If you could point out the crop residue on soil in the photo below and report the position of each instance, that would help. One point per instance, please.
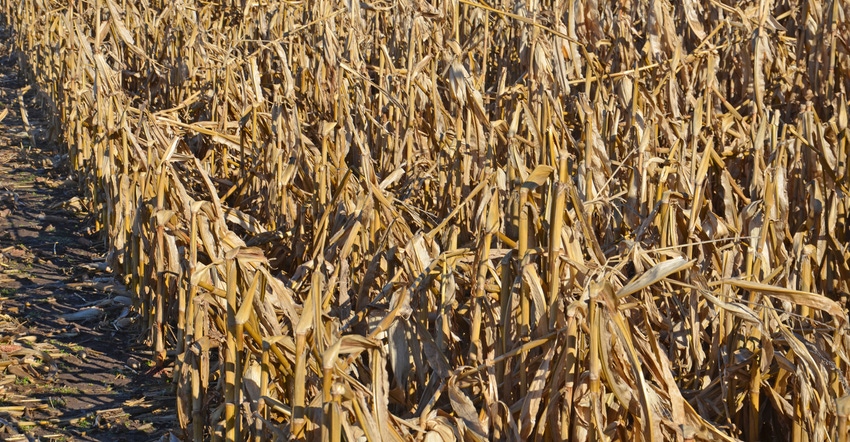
(66, 369)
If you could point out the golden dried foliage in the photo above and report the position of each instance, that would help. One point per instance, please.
(459, 219)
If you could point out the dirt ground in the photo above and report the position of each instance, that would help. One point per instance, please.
(73, 366)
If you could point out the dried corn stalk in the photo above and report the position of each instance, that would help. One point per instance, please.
(456, 219)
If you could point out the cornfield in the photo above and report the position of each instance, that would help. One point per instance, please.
(467, 220)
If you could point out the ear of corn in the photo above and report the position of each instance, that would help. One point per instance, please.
(457, 219)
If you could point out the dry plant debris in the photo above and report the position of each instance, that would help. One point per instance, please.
(443, 220)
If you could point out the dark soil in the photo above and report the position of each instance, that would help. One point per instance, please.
(61, 377)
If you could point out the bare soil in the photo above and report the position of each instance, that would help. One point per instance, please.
(72, 362)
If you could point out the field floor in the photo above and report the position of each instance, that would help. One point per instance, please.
(71, 363)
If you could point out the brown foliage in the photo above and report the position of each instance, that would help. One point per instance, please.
(457, 219)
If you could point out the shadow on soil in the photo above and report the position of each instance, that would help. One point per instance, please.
(68, 369)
